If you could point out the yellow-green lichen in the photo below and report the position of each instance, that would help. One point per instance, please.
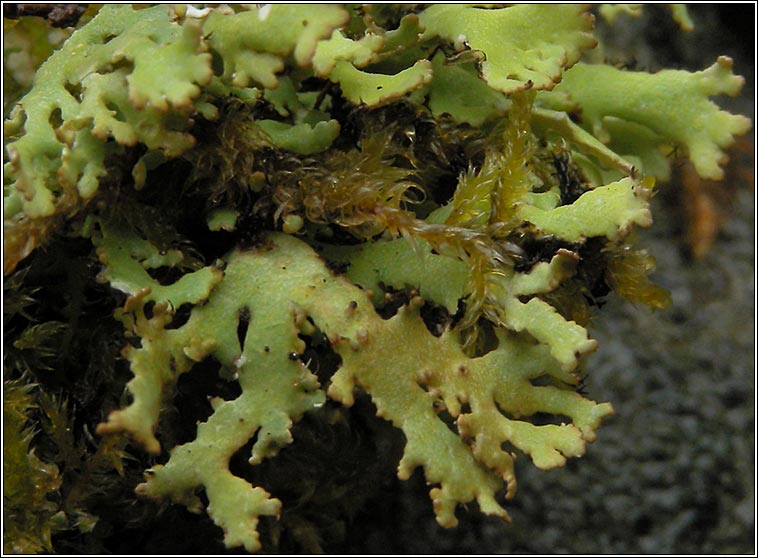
(415, 205)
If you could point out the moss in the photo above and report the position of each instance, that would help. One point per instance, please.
(30, 514)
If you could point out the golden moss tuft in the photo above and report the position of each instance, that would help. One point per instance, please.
(225, 161)
(350, 189)
(627, 273)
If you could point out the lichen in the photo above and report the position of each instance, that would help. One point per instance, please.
(415, 206)
(277, 388)
(673, 104)
(524, 57)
